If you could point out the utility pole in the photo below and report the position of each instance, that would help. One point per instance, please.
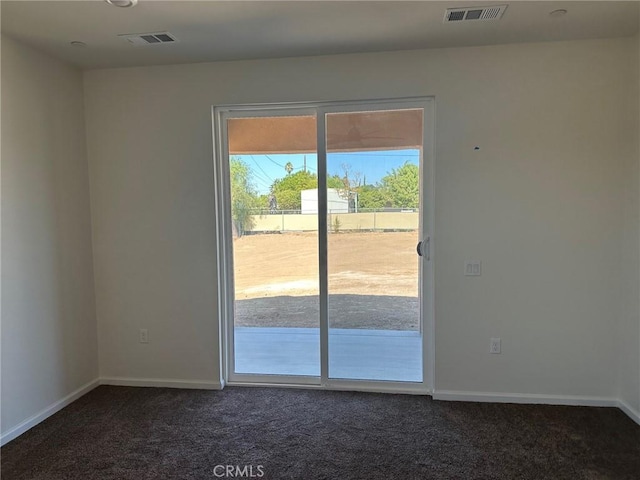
(305, 164)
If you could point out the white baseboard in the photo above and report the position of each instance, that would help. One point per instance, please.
(532, 398)
(47, 412)
(161, 382)
(448, 395)
(633, 414)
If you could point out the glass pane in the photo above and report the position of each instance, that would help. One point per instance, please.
(273, 170)
(373, 191)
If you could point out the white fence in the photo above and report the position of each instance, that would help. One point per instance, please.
(336, 222)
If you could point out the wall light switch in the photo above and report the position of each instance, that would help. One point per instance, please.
(495, 346)
(472, 269)
(144, 335)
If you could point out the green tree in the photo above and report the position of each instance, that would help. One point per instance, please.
(289, 168)
(370, 196)
(402, 186)
(297, 181)
(287, 190)
(399, 188)
(262, 201)
(243, 195)
(334, 181)
(288, 200)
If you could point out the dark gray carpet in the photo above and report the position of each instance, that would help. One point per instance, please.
(145, 433)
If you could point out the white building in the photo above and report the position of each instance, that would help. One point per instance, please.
(335, 203)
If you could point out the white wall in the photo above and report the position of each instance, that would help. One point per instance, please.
(49, 337)
(546, 203)
(629, 332)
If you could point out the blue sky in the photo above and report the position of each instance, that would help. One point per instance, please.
(372, 166)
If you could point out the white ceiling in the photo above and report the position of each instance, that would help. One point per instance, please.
(232, 30)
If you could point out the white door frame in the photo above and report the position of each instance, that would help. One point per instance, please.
(224, 252)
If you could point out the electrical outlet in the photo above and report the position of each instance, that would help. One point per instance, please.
(472, 268)
(494, 346)
(144, 335)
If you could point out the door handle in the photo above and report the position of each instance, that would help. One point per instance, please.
(421, 244)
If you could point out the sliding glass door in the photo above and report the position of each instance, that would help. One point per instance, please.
(271, 163)
(324, 227)
(373, 213)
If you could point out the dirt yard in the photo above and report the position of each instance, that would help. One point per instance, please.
(373, 280)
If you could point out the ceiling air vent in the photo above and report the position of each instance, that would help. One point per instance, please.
(149, 38)
(494, 12)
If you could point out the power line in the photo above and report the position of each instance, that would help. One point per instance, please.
(260, 177)
(262, 185)
(262, 182)
(258, 165)
(273, 161)
(301, 168)
(376, 154)
(266, 183)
